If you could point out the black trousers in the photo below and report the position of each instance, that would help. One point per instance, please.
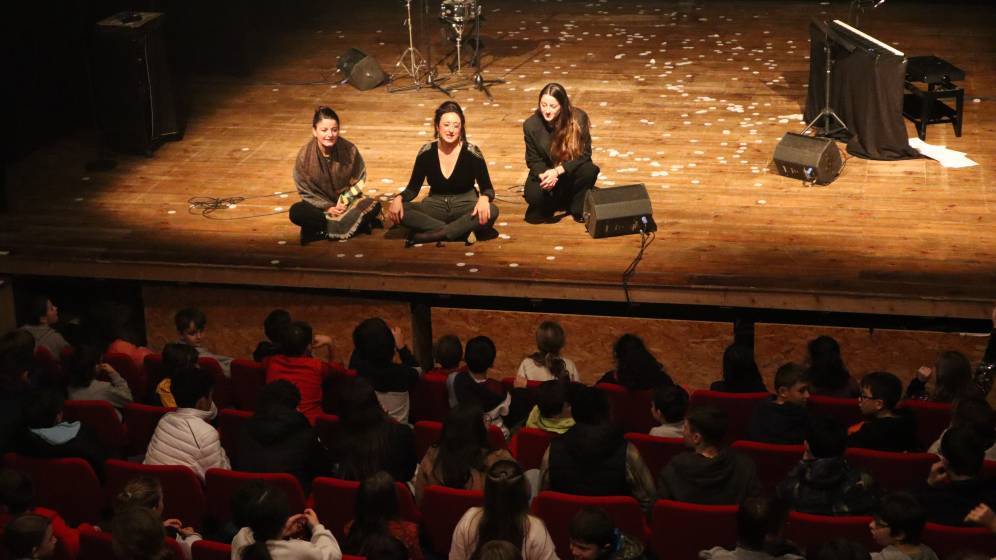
(309, 217)
(448, 212)
(568, 194)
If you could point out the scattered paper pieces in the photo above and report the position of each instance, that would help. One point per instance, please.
(943, 155)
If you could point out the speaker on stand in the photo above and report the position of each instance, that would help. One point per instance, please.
(811, 159)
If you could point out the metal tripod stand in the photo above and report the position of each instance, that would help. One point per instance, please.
(411, 64)
(830, 128)
(477, 80)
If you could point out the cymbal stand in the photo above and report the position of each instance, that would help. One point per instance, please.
(411, 64)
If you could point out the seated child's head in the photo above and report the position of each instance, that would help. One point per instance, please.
(297, 339)
(275, 323)
(141, 491)
(480, 354)
(16, 492)
(551, 398)
(278, 394)
(963, 451)
(670, 404)
(138, 534)
(178, 356)
(899, 520)
(29, 536)
(448, 351)
(880, 393)
(825, 438)
(757, 519)
(191, 388)
(791, 384)
(593, 534)
(374, 341)
(590, 406)
(705, 426)
(190, 325)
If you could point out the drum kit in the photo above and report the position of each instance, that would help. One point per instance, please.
(461, 21)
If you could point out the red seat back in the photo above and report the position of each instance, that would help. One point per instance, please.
(947, 542)
(806, 529)
(431, 399)
(678, 529)
(989, 469)
(335, 503)
(96, 545)
(68, 485)
(327, 428)
(442, 509)
(773, 461)
(138, 382)
(739, 408)
(656, 451)
(557, 509)
(101, 418)
(844, 411)
(529, 445)
(893, 470)
(248, 380)
(223, 395)
(334, 386)
(629, 409)
(183, 494)
(428, 432)
(230, 422)
(223, 485)
(48, 364)
(932, 418)
(141, 421)
(210, 550)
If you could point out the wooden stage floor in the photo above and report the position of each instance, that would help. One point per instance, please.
(689, 98)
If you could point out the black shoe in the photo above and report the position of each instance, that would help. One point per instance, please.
(310, 236)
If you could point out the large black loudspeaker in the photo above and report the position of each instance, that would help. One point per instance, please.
(618, 211)
(361, 70)
(133, 86)
(808, 158)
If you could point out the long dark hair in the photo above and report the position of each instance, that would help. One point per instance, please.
(565, 144)
(462, 446)
(364, 431)
(450, 107)
(636, 367)
(376, 504)
(505, 515)
(550, 340)
(740, 371)
(826, 367)
(265, 511)
(954, 377)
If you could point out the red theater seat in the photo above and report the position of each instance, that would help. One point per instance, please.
(183, 494)
(223, 394)
(528, 446)
(428, 432)
(680, 530)
(442, 509)
(210, 550)
(557, 510)
(932, 418)
(230, 422)
(773, 461)
(96, 545)
(948, 541)
(807, 530)
(222, 485)
(656, 451)
(629, 409)
(138, 381)
(101, 418)
(739, 408)
(141, 421)
(893, 470)
(248, 380)
(67, 485)
(844, 411)
(431, 400)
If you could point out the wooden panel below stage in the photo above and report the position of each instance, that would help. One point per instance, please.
(687, 98)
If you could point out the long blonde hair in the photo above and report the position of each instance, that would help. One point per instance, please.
(565, 144)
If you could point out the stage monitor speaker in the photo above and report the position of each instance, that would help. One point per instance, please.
(618, 211)
(808, 158)
(132, 83)
(361, 70)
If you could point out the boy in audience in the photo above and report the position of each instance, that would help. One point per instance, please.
(49, 435)
(956, 483)
(474, 385)
(884, 427)
(375, 346)
(896, 527)
(595, 537)
(190, 326)
(175, 357)
(447, 353)
(295, 364)
(783, 418)
(42, 314)
(273, 327)
(552, 412)
(759, 524)
(29, 535)
(668, 409)
(184, 436)
(710, 473)
(823, 483)
(593, 458)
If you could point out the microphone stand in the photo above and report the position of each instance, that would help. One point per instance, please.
(827, 114)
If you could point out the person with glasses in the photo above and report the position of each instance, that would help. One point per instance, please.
(897, 527)
(884, 427)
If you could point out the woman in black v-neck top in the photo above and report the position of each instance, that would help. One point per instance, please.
(454, 209)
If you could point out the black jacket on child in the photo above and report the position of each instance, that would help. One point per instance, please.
(829, 486)
(589, 460)
(281, 440)
(948, 505)
(726, 478)
(778, 423)
(896, 433)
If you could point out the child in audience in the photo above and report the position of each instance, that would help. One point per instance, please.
(190, 326)
(184, 437)
(896, 527)
(474, 386)
(552, 411)
(636, 368)
(42, 315)
(146, 492)
(376, 345)
(547, 363)
(884, 427)
(828, 376)
(29, 535)
(377, 514)
(759, 523)
(710, 473)
(668, 409)
(273, 533)
(740, 372)
(17, 497)
(176, 357)
(137, 534)
(952, 375)
(84, 366)
(595, 537)
(369, 441)
(783, 418)
(50, 436)
(447, 353)
(295, 364)
(976, 413)
(273, 328)
(956, 483)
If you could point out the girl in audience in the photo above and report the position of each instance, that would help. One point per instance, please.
(84, 366)
(29, 535)
(952, 375)
(828, 376)
(547, 363)
(976, 413)
(369, 441)
(505, 516)
(17, 497)
(897, 527)
(378, 515)
(146, 492)
(636, 368)
(137, 534)
(376, 344)
(462, 457)
(176, 357)
(274, 534)
(740, 372)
